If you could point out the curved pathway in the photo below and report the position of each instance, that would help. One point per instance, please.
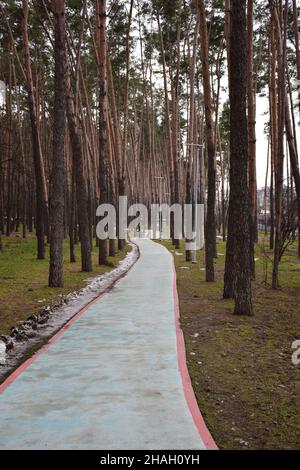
(112, 380)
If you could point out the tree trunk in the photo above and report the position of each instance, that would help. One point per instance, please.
(210, 231)
(81, 187)
(175, 133)
(251, 137)
(239, 227)
(266, 190)
(192, 150)
(8, 107)
(281, 45)
(273, 129)
(297, 46)
(101, 24)
(122, 181)
(72, 219)
(227, 34)
(117, 140)
(293, 153)
(41, 189)
(57, 199)
(170, 150)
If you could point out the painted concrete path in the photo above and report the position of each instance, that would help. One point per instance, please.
(112, 380)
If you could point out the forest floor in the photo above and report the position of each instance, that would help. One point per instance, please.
(241, 367)
(24, 279)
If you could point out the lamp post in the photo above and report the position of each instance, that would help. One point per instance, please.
(199, 147)
(2, 93)
(160, 179)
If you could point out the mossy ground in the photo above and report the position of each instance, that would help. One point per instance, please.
(24, 279)
(241, 369)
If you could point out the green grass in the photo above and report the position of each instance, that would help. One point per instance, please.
(245, 383)
(24, 279)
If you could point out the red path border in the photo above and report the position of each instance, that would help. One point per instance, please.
(181, 353)
(186, 380)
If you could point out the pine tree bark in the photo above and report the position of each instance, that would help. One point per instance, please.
(281, 35)
(175, 120)
(169, 149)
(101, 14)
(192, 151)
(297, 41)
(41, 188)
(210, 232)
(24, 193)
(273, 128)
(8, 108)
(239, 227)
(122, 180)
(251, 136)
(297, 46)
(227, 34)
(293, 153)
(57, 198)
(81, 187)
(72, 219)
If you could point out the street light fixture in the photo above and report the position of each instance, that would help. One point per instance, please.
(160, 178)
(199, 147)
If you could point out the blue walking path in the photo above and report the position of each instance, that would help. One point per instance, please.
(112, 379)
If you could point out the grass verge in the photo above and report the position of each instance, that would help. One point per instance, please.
(24, 279)
(241, 369)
